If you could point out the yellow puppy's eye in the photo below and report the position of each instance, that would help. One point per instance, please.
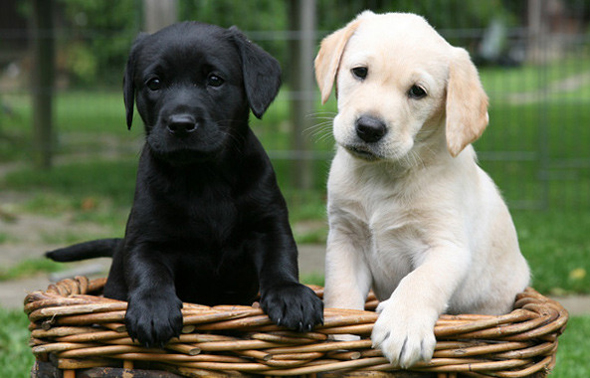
(417, 92)
(360, 72)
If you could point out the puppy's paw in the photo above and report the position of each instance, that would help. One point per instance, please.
(294, 306)
(404, 337)
(153, 321)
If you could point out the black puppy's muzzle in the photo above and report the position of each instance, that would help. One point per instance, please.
(181, 125)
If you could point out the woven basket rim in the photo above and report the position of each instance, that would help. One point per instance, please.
(74, 327)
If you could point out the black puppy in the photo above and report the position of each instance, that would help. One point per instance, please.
(208, 223)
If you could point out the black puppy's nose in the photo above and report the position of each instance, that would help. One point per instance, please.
(370, 129)
(181, 124)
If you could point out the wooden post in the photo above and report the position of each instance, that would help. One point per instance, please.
(158, 14)
(302, 19)
(42, 82)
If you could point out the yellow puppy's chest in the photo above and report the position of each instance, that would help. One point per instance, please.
(396, 246)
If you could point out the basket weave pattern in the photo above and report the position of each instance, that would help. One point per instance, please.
(74, 327)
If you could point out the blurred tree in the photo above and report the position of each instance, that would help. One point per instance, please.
(442, 14)
(98, 39)
(462, 23)
(102, 30)
(255, 17)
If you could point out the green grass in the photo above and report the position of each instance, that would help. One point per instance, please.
(74, 111)
(557, 247)
(574, 344)
(30, 267)
(313, 279)
(16, 358)
(554, 242)
(530, 78)
(113, 180)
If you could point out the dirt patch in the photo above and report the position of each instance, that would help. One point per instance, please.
(25, 236)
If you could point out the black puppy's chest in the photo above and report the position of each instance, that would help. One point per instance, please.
(213, 248)
(208, 215)
(198, 226)
(203, 221)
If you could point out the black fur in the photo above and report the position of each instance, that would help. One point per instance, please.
(208, 223)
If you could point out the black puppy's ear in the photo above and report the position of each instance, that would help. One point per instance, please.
(262, 73)
(128, 78)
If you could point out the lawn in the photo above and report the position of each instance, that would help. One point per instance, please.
(555, 242)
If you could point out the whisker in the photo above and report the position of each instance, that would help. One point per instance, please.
(325, 113)
(320, 132)
(323, 138)
(417, 159)
(322, 126)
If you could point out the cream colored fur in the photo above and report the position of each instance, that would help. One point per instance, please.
(413, 217)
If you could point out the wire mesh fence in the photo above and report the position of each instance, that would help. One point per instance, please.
(533, 57)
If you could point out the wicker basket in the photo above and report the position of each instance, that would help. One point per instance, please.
(73, 327)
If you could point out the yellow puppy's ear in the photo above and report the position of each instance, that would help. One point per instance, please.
(328, 59)
(467, 103)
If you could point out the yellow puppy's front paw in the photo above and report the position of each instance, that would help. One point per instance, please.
(404, 338)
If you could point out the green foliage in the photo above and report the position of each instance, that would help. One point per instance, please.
(269, 15)
(440, 13)
(99, 34)
(82, 63)
(96, 34)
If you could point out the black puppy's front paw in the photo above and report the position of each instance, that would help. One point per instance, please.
(294, 306)
(154, 320)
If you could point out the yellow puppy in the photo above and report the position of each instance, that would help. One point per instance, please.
(411, 214)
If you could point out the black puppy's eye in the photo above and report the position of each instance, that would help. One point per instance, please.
(214, 80)
(360, 72)
(416, 92)
(154, 84)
